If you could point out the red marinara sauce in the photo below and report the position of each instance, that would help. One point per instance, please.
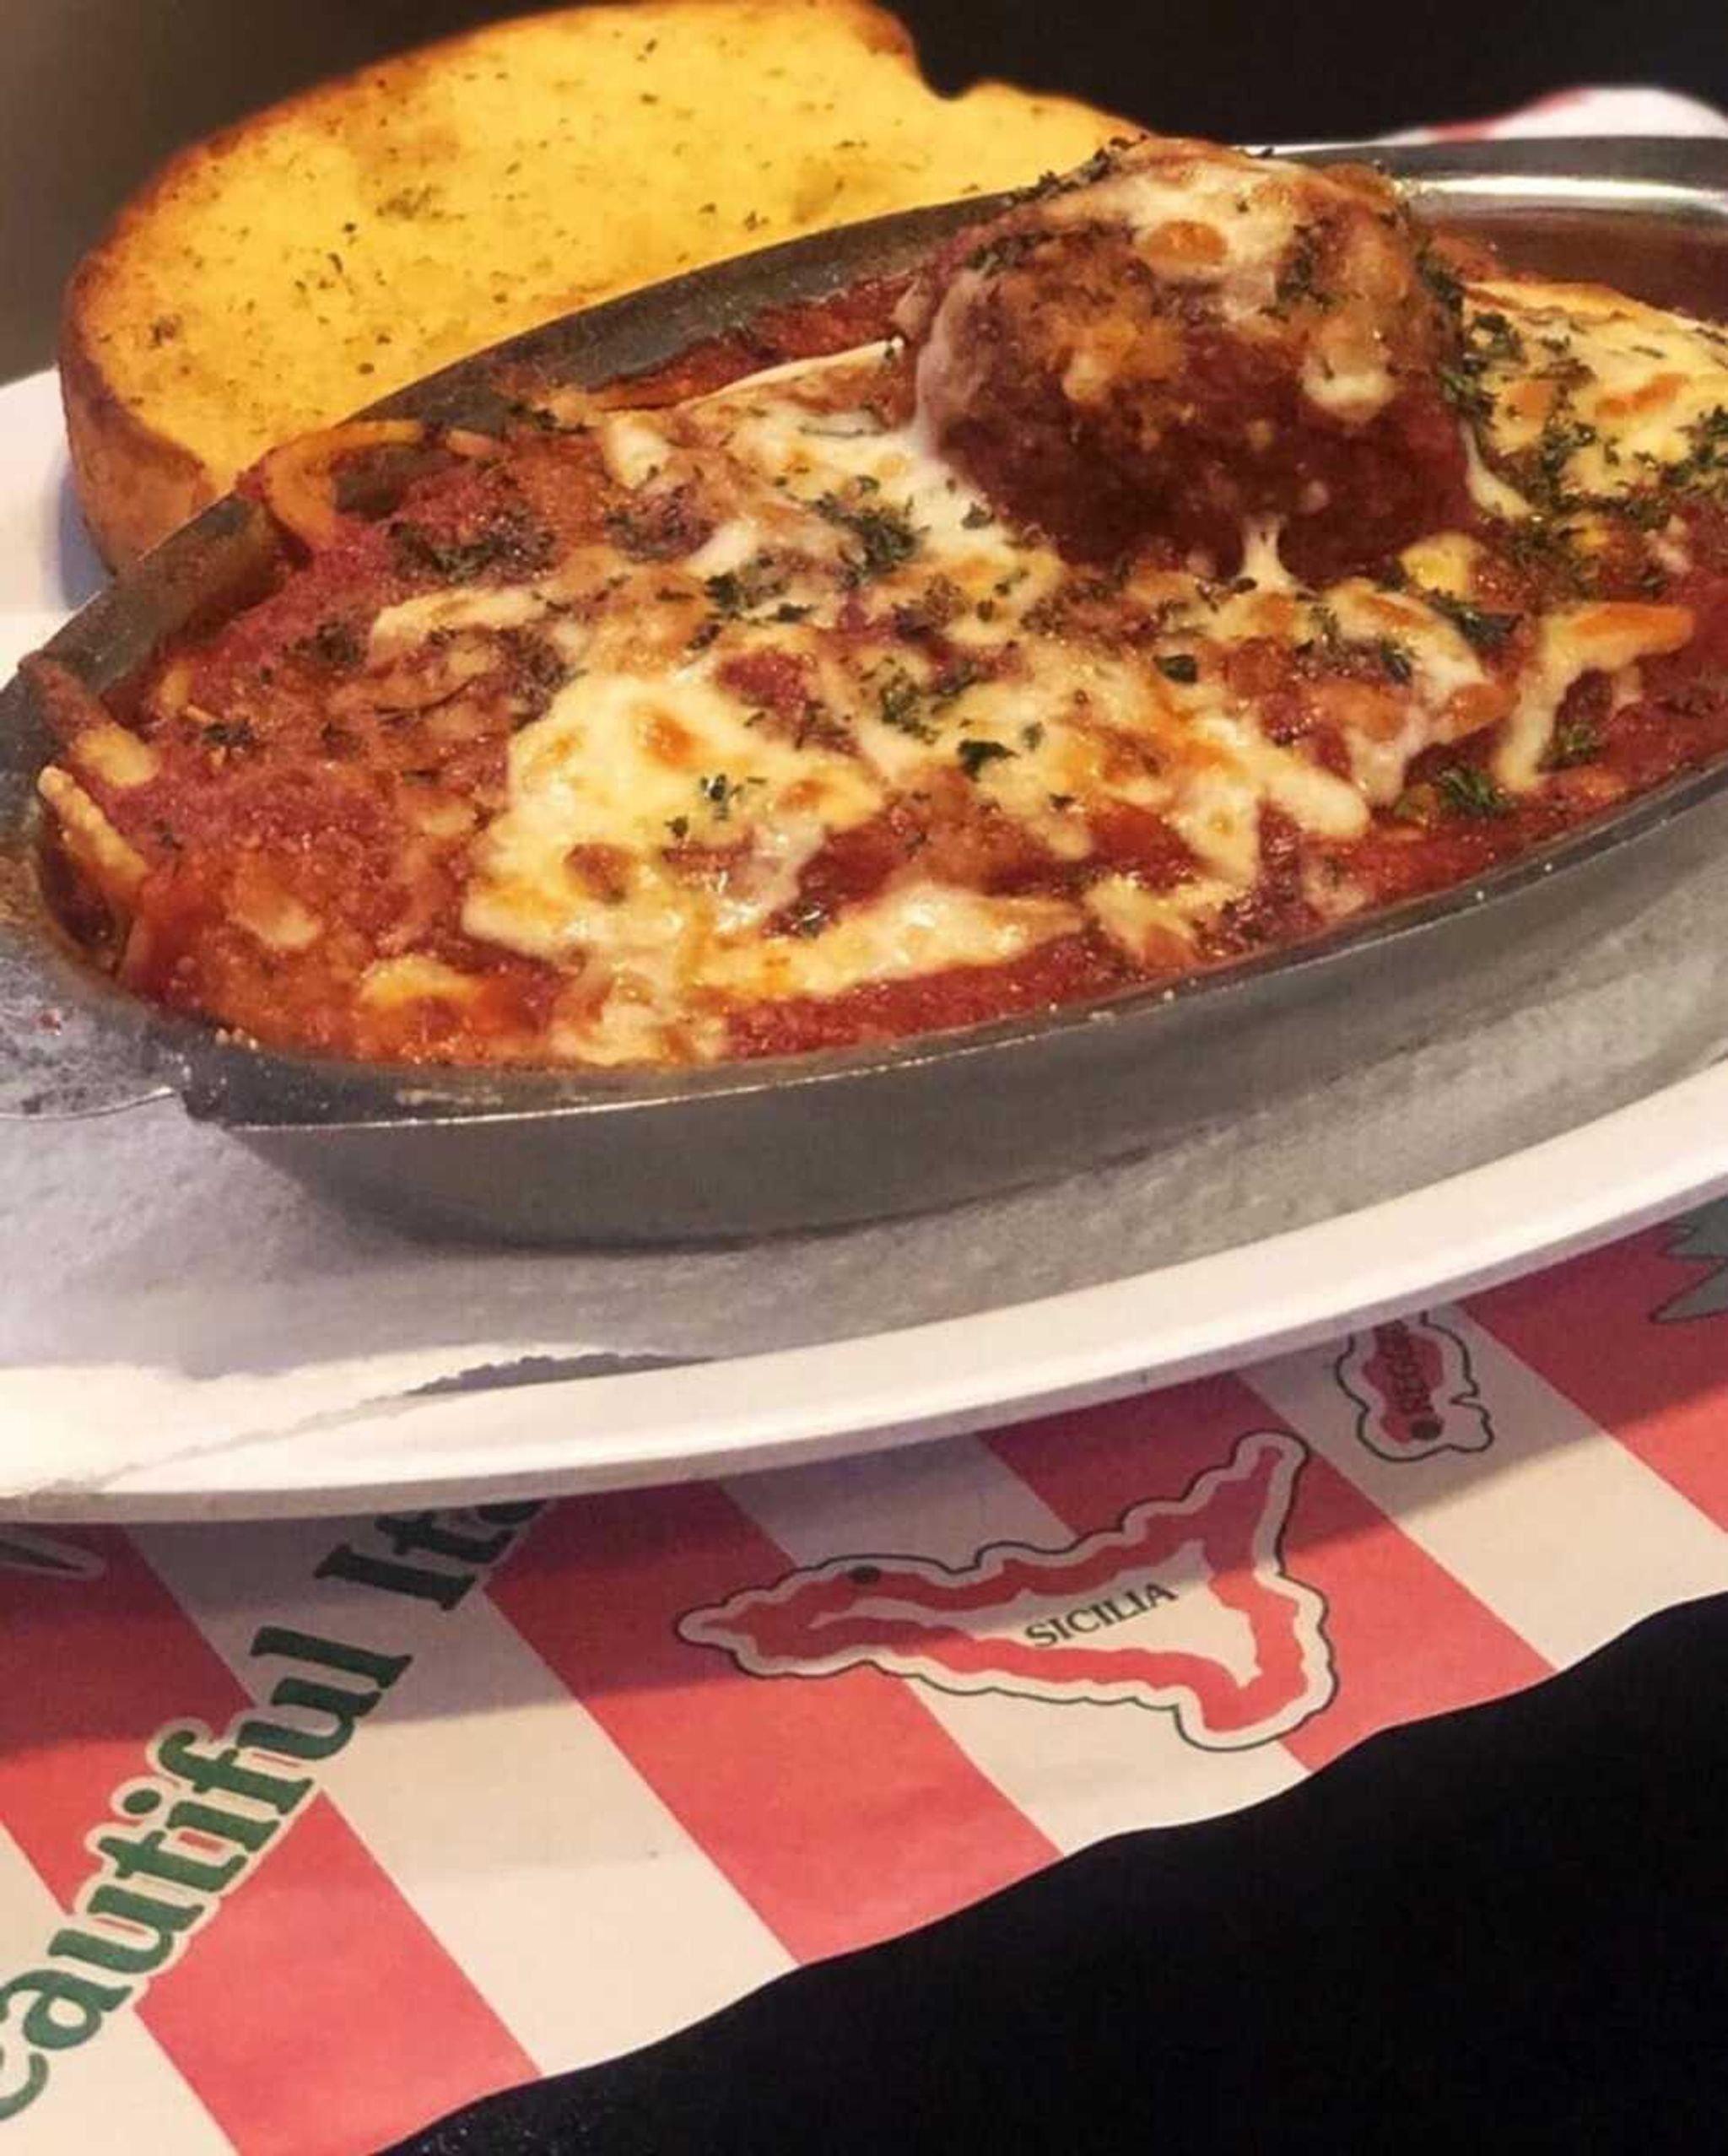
(313, 805)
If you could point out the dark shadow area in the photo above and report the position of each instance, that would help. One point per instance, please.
(81, 575)
(1508, 1924)
(95, 93)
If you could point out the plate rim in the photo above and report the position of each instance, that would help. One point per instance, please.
(913, 1383)
(551, 1440)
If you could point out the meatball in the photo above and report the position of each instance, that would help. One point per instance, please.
(1178, 338)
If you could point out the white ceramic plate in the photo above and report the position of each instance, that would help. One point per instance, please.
(887, 1387)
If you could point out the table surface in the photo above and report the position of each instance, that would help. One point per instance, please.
(1508, 1923)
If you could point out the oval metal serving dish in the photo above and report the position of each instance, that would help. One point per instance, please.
(753, 1147)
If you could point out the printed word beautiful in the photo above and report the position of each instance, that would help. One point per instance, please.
(189, 1831)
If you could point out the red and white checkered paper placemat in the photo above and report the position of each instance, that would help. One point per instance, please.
(312, 1832)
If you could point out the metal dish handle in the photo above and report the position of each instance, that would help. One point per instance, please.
(71, 1043)
(60, 1061)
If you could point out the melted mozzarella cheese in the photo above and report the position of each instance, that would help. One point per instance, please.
(1261, 564)
(1443, 561)
(1491, 494)
(1154, 926)
(915, 928)
(1571, 643)
(1612, 392)
(392, 984)
(736, 542)
(112, 863)
(1442, 700)
(1350, 379)
(632, 447)
(633, 766)
(1234, 226)
(811, 456)
(657, 816)
(275, 916)
(1207, 220)
(1230, 772)
(413, 623)
(116, 756)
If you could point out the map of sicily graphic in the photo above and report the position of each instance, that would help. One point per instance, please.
(1183, 1606)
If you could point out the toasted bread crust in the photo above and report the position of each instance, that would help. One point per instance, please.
(135, 484)
(159, 425)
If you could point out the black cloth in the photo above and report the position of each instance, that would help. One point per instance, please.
(1506, 1929)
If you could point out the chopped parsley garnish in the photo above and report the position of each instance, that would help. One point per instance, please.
(1298, 275)
(228, 733)
(1395, 660)
(1545, 548)
(955, 678)
(1178, 666)
(816, 722)
(1440, 280)
(1576, 741)
(972, 756)
(1032, 733)
(1562, 435)
(513, 541)
(679, 826)
(1468, 790)
(976, 518)
(1565, 370)
(934, 608)
(333, 643)
(899, 705)
(1706, 465)
(1464, 391)
(1488, 338)
(409, 202)
(719, 792)
(657, 527)
(887, 539)
(734, 591)
(1648, 508)
(1480, 626)
(1328, 635)
(1493, 337)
